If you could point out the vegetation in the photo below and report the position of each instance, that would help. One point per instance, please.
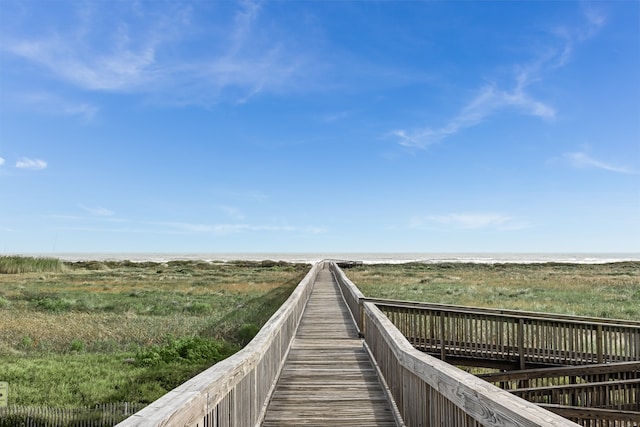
(18, 264)
(600, 290)
(92, 332)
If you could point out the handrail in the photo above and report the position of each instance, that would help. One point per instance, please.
(429, 391)
(351, 294)
(235, 391)
(522, 339)
(623, 395)
(611, 371)
(505, 312)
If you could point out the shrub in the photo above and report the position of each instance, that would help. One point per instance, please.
(247, 332)
(196, 308)
(188, 349)
(26, 343)
(54, 305)
(77, 345)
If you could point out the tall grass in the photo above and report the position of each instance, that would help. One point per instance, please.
(21, 264)
(113, 331)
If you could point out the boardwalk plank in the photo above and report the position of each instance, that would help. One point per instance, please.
(328, 378)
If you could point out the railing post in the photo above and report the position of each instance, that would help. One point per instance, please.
(599, 344)
(521, 343)
(443, 350)
(361, 324)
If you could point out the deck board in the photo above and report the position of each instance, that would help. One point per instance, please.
(327, 378)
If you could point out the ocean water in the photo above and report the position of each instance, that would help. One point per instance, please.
(367, 258)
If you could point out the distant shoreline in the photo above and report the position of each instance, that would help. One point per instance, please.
(366, 258)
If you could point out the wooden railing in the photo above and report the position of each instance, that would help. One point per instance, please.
(520, 338)
(615, 395)
(545, 377)
(515, 338)
(605, 395)
(235, 391)
(351, 294)
(428, 391)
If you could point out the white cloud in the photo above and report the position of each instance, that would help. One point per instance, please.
(222, 229)
(69, 59)
(1, 161)
(583, 160)
(53, 104)
(489, 101)
(139, 52)
(467, 221)
(97, 210)
(495, 98)
(33, 164)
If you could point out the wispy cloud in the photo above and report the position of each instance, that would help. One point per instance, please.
(584, 161)
(137, 51)
(1, 161)
(467, 221)
(96, 49)
(121, 70)
(232, 212)
(337, 116)
(97, 210)
(221, 229)
(32, 164)
(514, 95)
(240, 195)
(489, 101)
(53, 104)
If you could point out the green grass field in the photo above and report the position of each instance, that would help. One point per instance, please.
(98, 332)
(75, 334)
(600, 290)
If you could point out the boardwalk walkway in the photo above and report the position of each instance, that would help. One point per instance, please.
(328, 378)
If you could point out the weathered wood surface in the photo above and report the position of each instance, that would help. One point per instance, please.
(429, 391)
(328, 379)
(542, 377)
(595, 417)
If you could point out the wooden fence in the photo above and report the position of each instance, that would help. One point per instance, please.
(235, 391)
(105, 415)
(428, 391)
(545, 377)
(595, 395)
(518, 339)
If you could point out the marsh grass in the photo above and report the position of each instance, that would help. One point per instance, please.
(78, 330)
(599, 290)
(20, 264)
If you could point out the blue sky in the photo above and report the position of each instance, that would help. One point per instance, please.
(319, 126)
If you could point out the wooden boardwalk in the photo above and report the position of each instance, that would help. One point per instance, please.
(328, 378)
